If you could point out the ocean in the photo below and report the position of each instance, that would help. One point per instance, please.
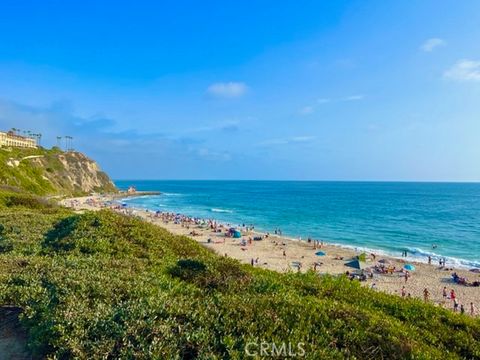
(385, 217)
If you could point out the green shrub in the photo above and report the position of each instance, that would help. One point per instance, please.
(103, 285)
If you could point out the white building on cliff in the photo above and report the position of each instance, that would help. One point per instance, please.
(9, 139)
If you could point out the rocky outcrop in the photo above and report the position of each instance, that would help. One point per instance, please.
(74, 173)
(53, 172)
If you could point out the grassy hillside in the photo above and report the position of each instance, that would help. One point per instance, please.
(51, 172)
(101, 285)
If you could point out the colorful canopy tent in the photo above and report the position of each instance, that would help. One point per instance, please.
(409, 267)
(237, 234)
(356, 264)
(320, 253)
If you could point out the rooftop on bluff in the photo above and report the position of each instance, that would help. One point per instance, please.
(10, 139)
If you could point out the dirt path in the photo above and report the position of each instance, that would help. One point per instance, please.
(13, 342)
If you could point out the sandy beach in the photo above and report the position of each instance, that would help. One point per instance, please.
(283, 254)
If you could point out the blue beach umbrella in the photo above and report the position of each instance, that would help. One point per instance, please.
(357, 264)
(320, 253)
(409, 267)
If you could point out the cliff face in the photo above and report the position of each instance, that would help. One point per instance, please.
(76, 174)
(52, 172)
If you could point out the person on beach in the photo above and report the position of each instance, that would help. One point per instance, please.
(403, 292)
(444, 293)
(462, 309)
(472, 309)
(429, 260)
(452, 295)
(425, 294)
(406, 276)
(455, 305)
(284, 253)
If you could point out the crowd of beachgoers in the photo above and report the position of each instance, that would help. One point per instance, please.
(443, 285)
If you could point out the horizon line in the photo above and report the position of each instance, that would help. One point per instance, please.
(295, 180)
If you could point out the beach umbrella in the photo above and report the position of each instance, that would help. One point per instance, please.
(320, 253)
(409, 267)
(362, 257)
(356, 264)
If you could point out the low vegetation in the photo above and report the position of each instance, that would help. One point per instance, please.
(102, 285)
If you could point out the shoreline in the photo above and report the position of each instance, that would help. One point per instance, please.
(414, 255)
(280, 253)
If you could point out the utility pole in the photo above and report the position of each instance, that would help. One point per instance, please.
(68, 143)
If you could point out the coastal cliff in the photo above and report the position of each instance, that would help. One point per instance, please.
(52, 172)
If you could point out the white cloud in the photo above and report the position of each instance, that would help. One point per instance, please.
(464, 70)
(302, 138)
(286, 141)
(323, 100)
(307, 110)
(431, 44)
(354, 97)
(208, 154)
(228, 89)
(227, 125)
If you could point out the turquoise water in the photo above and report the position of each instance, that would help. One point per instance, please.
(385, 216)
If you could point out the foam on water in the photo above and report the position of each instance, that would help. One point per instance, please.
(221, 210)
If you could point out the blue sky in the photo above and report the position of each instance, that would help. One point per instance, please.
(322, 90)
